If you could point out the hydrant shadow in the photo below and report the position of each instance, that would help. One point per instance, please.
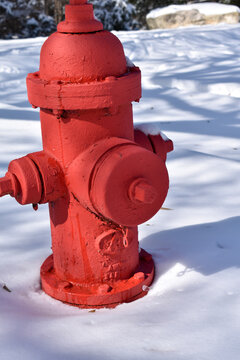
(206, 248)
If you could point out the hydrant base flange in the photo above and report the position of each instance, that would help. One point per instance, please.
(99, 295)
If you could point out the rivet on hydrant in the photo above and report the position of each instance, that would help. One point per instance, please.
(100, 177)
(104, 288)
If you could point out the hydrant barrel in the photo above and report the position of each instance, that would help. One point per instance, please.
(100, 177)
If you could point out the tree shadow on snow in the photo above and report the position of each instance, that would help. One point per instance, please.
(215, 122)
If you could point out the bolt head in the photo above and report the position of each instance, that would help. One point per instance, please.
(104, 288)
(142, 191)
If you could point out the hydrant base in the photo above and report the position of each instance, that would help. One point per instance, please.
(99, 295)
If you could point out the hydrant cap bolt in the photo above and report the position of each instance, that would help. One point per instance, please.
(142, 191)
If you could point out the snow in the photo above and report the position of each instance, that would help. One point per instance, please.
(207, 9)
(152, 129)
(191, 90)
(130, 64)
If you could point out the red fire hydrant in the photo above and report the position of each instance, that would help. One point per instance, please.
(100, 178)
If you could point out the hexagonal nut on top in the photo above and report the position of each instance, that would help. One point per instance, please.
(141, 191)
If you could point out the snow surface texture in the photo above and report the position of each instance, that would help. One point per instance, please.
(191, 91)
(207, 9)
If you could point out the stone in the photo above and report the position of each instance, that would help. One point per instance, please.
(188, 17)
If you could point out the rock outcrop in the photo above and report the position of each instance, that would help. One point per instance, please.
(171, 17)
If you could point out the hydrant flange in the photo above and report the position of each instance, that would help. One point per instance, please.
(99, 295)
(93, 95)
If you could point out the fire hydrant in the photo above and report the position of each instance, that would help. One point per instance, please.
(100, 177)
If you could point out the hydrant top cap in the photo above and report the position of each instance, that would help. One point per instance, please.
(79, 18)
(82, 57)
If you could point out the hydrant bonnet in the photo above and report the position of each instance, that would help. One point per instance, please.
(81, 58)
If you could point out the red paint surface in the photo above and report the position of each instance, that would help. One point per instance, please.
(100, 178)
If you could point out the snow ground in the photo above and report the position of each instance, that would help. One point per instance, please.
(191, 91)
